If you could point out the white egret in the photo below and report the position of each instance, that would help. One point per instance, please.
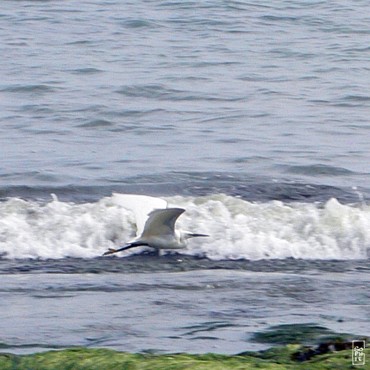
(159, 232)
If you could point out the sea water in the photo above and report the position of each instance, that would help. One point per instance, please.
(253, 116)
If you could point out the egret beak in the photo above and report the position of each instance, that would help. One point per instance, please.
(191, 235)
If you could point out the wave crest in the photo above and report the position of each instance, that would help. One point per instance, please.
(238, 229)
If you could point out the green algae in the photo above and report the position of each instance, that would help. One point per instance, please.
(278, 358)
(292, 354)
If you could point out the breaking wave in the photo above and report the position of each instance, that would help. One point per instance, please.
(238, 229)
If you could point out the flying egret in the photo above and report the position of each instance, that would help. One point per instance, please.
(159, 232)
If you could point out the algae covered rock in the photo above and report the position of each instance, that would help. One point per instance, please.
(279, 358)
(290, 354)
(296, 333)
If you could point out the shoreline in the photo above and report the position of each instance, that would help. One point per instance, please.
(275, 358)
(305, 346)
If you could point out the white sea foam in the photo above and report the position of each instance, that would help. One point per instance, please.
(237, 228)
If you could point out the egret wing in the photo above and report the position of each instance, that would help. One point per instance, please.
(140, 205)
(162, 222)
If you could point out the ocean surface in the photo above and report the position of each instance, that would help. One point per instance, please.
(251, 115)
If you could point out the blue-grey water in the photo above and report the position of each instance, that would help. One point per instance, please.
(252, 115)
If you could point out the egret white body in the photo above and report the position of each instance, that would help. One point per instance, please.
(159, 232)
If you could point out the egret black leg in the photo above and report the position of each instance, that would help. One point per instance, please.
(125, 247)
